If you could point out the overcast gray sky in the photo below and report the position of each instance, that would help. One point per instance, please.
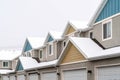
(22, 18)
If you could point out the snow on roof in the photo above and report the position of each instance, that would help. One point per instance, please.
(87, 46)
(30, 63)
(55, 34)
(9, 54)
(36, 42)
(79, 24)
(112, 52)
(2, 71)
(92, 51)
(46, 64)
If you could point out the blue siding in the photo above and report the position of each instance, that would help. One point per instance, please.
(27, 47)
(112, 7)
(19, 66)
(50, 39)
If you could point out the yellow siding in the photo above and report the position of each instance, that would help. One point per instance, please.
(70, 30)
(72, 55)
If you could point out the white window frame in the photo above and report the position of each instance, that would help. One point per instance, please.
(105, 22)
(5, 66)
(51, 43)
(42, 53)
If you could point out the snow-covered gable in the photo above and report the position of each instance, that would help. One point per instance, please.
(76, 25)
(106, 9)
(53, 35)
(28, 62)
(9, 54)
(92, 51)
(33, 43)
(86, 46)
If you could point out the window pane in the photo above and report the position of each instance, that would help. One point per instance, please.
(107, 30)
(40, 54)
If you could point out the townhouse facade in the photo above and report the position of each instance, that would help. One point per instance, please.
(81, 52)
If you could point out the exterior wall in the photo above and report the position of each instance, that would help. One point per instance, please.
(72, 55)
(53, 56)
(35, 53)
(115, 41)
(59, 48)
(101, 63)
(84, 34)
(14, 63)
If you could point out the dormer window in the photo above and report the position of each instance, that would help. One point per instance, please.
(107, 30)
(91, 34)
(41, 54)
(5, 64)
(50, 49)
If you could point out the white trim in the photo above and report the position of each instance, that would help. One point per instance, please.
(6, 66)
(111, 29)
(74, 62)
(97, 12)
(101, 66)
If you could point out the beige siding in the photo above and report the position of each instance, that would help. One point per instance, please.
(72, 55)
(70, 30)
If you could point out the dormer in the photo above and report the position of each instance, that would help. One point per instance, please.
(8, 60)
(106, 23)
(31, 45)
(52, 40)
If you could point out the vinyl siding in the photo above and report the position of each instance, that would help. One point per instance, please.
(115, 41)
(112, 7)
(70, 30)
(72, 55)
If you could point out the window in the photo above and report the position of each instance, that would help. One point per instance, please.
(41, 53)
(50, 49)
(107, 30)
(64, 43)
(91, 35)
(28, 54)
(5, 64)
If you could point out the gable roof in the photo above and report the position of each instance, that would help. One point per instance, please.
(34, 42)
(98, 11)
(90, 50)
(54, 35)
(29, 63)
(76, 25)
(85, 46)
(9, 54)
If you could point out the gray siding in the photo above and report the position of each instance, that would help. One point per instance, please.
(115, 41)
